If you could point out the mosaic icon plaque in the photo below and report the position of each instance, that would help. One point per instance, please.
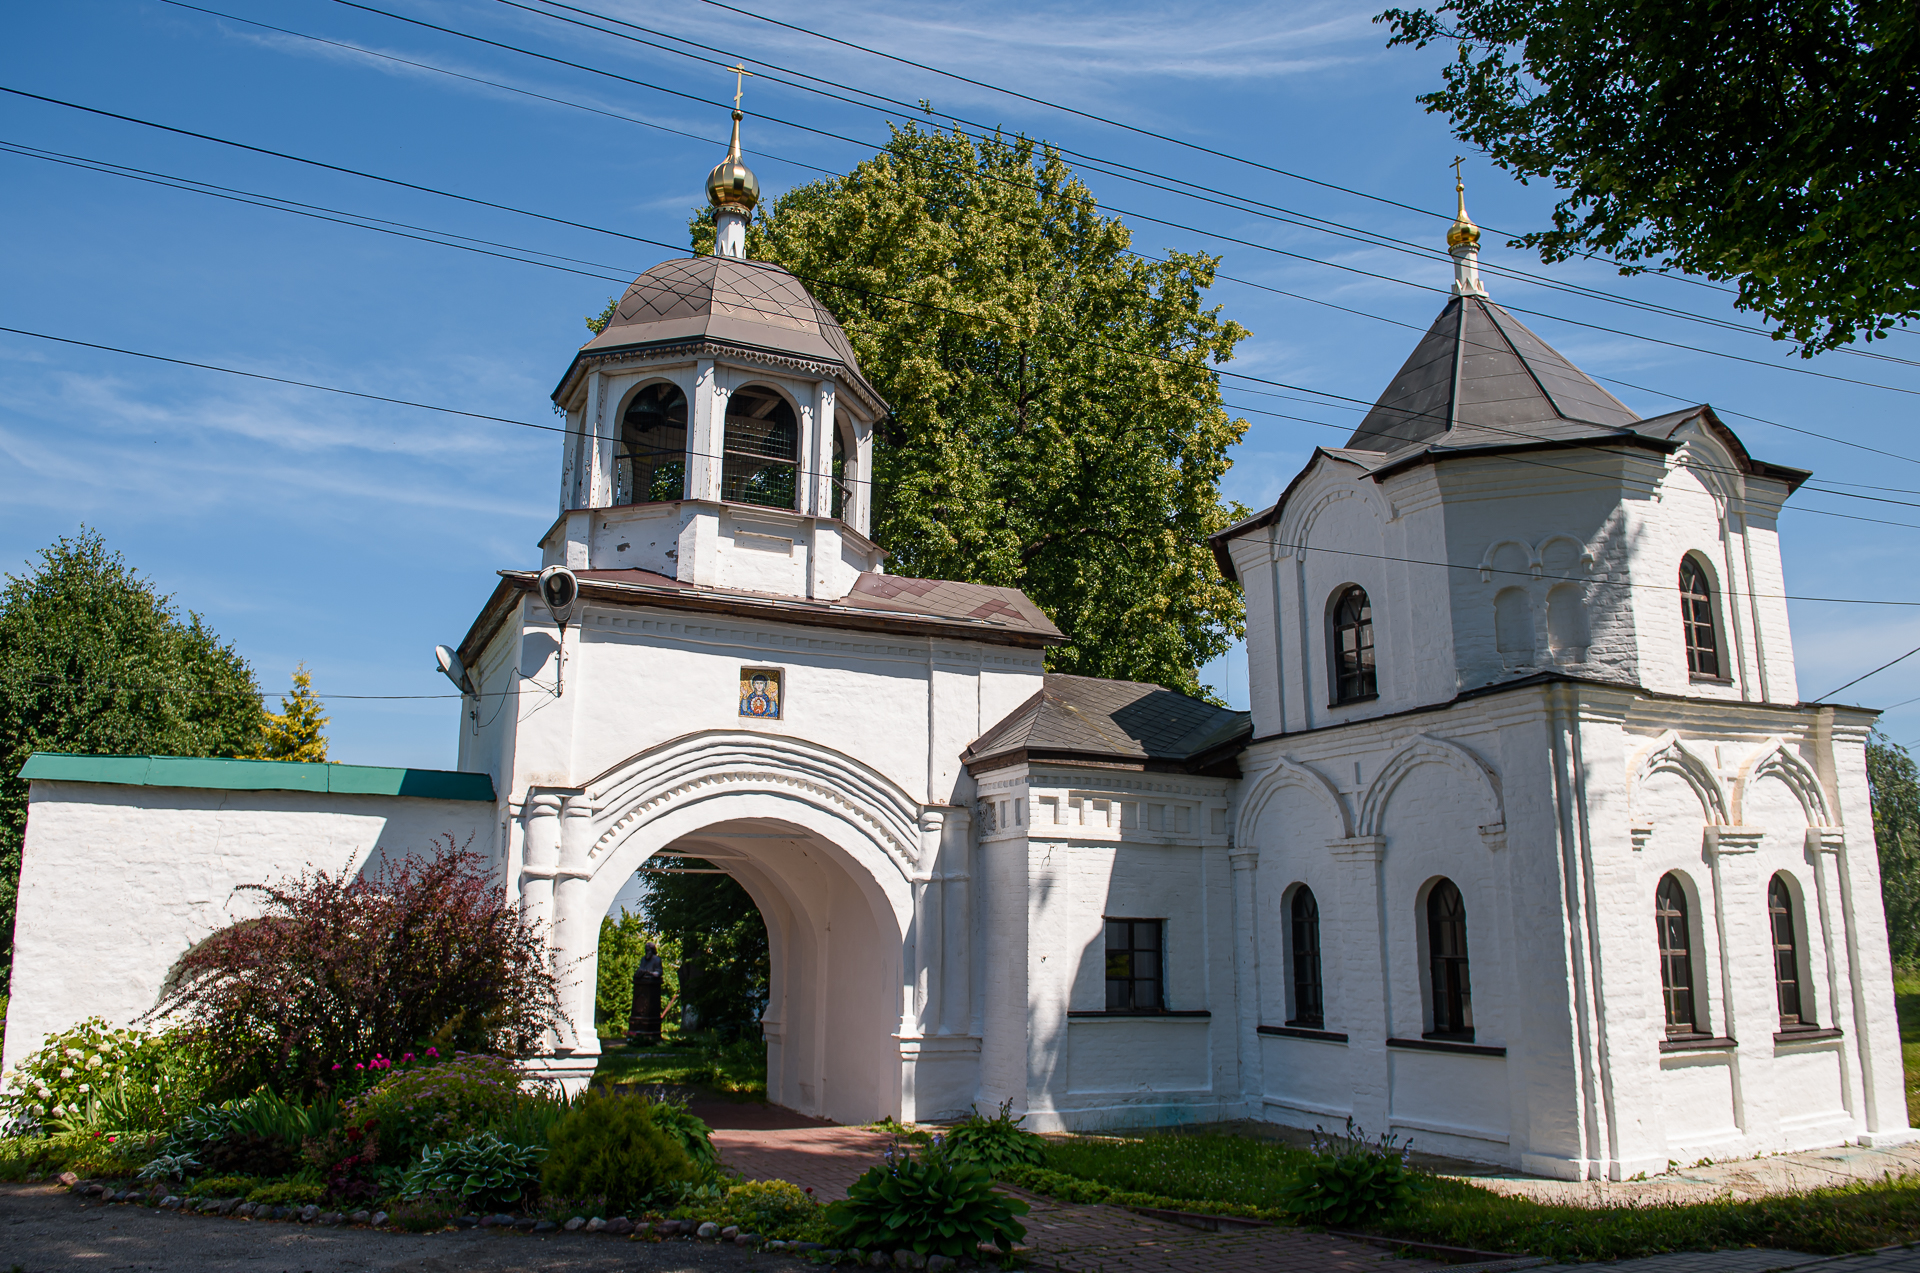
(760, 692)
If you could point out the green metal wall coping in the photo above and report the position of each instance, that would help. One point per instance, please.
(220, 774)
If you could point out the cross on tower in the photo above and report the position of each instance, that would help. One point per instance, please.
(740, 72)
(1457, 161)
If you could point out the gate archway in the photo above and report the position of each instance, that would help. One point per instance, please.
(825, 847)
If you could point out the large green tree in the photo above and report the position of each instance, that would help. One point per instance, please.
(1775, 143)
(718, 928)
(1057, 423)
(94, 660)
(1895, 784)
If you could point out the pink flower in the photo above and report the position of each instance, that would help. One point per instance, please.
(358, 1065)
(336, 1065)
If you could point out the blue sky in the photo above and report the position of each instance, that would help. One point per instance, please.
(353, 535)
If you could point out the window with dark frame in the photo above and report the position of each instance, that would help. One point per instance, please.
(1134, 966)
(1447, 963)
(1786, 954)
(759, 464)
(1353, 670)
(842, 473)
(1309, 1006)
(1696, 619)
(651, 463)
(1676, 955)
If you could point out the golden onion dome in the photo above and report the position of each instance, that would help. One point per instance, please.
(1463, 232)
(732, 184)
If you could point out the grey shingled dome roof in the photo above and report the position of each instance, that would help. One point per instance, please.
(1479, 377)
(1090, 718)
(751, 304)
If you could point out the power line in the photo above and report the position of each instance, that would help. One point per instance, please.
(1863, 676)
(1121, 170)
(192, 186)
(1339, 228)
(426, 406)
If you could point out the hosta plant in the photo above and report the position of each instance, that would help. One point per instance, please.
(998, 1143)
(927, 1204)
(483, 1171)
(689, 1131)
(1351, 1180)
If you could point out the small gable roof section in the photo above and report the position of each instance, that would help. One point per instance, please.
(878, 603)
(1115, 724)
(752, 306)
(1480, 382)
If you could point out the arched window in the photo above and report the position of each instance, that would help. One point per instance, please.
(1513, 623)
(1696, 619)
(842, 472)
(762, 442)
(1309, 1006)
(652, 461)
(1786, 953)
(1353, 677)
(1676, 954)
(1447, 963)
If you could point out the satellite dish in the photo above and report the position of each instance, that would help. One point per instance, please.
(559, 590)
(452, 668)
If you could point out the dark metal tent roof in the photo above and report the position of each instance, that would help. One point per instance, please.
(1132, 724)
(753, 305)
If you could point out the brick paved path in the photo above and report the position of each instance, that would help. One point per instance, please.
(767, 1143)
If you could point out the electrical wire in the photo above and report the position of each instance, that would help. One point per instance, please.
(1864, 675)
(354, 393)
(1422, 251)
(254, 199)
(1155, 180)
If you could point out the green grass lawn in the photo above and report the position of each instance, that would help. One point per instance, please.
(1906, 998)
(738, 1070)
(1218, 1171)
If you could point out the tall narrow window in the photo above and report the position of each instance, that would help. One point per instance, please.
(1447, 963)
(1353, 676)
(1676, 955)
(1309, 1008)
(652, 461)
(1786, 953)
(762, 441)
(842, 476)
(1696, 619)
(1133, 966)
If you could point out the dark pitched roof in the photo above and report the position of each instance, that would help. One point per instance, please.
(1479, 376)
(1479, 382)
(1138, 726)
(878, 603)
(750, 304)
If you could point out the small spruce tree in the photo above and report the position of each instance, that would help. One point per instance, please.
(293, 732)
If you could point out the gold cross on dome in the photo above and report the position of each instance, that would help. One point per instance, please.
(1457, 161)
(740, 74)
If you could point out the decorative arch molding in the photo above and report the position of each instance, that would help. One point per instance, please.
(1428, 750)
(1774, 759)
(1671, 753)
(1296, 527)
(1288, 772)
(1535, 554)
(699, 767)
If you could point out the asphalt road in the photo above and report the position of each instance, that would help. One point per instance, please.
(45, 1229)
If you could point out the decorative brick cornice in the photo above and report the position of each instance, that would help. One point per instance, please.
(693, 350)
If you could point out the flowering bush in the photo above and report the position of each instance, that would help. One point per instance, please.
(425, 1105)
(62, 1083)
(343, 965)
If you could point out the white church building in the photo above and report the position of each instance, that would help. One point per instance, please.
(1528, 847)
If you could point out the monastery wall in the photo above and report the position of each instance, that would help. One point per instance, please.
(118, 881)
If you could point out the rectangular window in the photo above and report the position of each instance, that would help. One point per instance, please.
(1134, 966)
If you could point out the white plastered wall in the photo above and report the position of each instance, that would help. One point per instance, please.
(117, 882)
